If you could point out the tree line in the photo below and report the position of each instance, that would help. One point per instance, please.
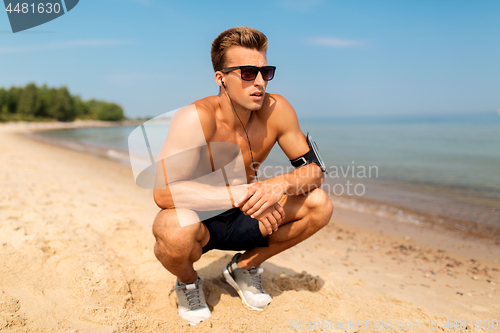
(32, 103)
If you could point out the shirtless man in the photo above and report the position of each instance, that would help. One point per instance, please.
(267, 217)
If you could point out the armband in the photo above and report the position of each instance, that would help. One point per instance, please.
(312, 156)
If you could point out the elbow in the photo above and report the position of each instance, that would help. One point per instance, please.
(162, 200)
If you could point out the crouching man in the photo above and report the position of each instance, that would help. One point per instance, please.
(208, 186)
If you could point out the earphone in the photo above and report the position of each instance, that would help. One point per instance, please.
(246, 133)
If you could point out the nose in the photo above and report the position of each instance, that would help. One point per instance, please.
(259, 80)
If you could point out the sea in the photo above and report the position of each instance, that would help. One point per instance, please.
(438, 171)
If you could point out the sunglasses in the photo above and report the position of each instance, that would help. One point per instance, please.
(249, 73)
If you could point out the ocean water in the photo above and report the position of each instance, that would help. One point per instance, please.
(438, 171)
(442, 171)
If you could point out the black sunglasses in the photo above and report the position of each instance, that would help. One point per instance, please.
(249, 73)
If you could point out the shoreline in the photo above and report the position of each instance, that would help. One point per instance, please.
(77, 246)
(52, 125)
(401, 215)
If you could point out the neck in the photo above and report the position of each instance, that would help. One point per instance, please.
(232, 111)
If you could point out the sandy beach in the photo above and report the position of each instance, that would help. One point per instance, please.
(76, 255)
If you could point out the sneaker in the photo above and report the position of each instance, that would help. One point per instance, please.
(191, 301)
(248, 284)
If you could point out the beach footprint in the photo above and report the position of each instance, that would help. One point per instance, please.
(298, 281)
(9, 312)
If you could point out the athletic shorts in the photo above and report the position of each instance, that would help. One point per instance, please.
(233, 230)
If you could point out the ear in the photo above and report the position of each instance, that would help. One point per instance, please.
(218, 77)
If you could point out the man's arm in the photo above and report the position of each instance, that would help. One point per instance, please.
(195, 196)
(184, 173)
(262, 195)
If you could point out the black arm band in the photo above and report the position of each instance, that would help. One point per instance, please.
(312, 156)
(302, 160)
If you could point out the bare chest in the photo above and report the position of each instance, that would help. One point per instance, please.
(256, 147)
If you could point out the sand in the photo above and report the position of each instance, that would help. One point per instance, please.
(76, 255)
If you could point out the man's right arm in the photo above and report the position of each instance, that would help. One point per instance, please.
(184, 175)
(195, 196)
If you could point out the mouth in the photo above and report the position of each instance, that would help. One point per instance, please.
(257, 95)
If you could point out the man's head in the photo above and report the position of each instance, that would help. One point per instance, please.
(239, 36)
(241, 46)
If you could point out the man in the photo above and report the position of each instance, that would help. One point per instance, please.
(267, 217)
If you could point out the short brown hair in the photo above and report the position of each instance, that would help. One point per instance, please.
(239, 36)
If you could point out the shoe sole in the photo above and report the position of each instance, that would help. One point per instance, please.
(230, 280)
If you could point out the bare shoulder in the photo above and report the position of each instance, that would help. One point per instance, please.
(205, 108)
(278, 103)
(280, 112)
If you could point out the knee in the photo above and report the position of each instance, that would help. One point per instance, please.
(172, 240)
(173, 244)
(163, 225)
(320, 206)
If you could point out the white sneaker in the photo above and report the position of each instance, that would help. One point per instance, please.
(191, 303)
(248, 284)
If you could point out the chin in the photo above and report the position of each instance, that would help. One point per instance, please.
(255, 107)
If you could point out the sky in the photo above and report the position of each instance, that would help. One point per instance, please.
(334, 58)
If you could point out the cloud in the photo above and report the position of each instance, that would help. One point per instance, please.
(335, 42)
(62, 45)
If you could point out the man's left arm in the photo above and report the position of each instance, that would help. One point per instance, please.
(262, 195)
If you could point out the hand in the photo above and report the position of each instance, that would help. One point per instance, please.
(272, 217)
(260, 197)
(239, 191)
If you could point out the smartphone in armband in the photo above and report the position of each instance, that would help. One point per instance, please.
(312, 156)
(314, 151)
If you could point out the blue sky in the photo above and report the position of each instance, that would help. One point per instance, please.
(333, 58)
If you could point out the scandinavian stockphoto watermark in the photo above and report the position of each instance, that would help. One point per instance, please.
(340, 179)
(26, 14)
(374, 325)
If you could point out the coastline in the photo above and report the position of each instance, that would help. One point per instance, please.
(25, 126)
(77, 245)
(369, 203)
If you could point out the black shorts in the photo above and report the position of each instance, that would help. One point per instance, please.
(233, 230)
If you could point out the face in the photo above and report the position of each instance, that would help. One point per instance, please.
(247, 94)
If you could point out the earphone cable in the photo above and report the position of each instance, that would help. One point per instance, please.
(246, 133)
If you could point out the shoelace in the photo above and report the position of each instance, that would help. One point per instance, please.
(256, 279)
(192, 296)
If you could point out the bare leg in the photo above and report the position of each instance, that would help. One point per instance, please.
(304, 216)
(177, 248)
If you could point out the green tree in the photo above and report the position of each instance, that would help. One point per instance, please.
(28, 101)
(60, 105)
(13, 96)
(3, 97)
(42, 102)
(92, 106)
(81, 108)
(31, 102)
(109, 111)
(3, 104)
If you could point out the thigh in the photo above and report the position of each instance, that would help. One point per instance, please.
(298, 206)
